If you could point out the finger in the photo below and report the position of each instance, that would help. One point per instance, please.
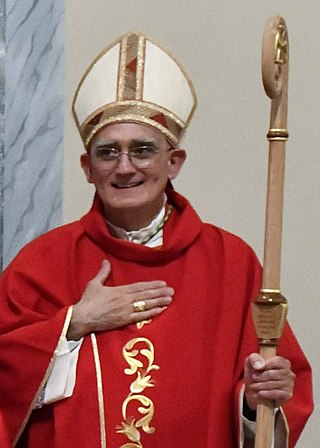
(159, 302)
(273, 375)
(148, 314)
(104, 272)
(278, 396)
(277, 362)
(144, 286)
(152, 294)
(283, 385)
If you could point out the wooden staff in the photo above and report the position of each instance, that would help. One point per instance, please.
(270, 308)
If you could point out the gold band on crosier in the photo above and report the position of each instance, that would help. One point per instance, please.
(139, 306)
(270, 291)
(277, 135)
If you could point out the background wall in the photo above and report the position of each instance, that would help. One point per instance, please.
(31, 89)
(220, 44)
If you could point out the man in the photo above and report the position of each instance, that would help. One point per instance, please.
(132, 327)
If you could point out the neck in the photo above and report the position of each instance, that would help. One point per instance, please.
(134, 219)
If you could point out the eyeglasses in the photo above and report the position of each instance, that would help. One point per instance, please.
(142, 156)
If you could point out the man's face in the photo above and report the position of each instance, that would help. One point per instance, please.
(123, 186)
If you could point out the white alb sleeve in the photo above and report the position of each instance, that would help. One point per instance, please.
(62, 379)
(248, 428)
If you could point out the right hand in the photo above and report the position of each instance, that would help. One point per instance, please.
(103, 308)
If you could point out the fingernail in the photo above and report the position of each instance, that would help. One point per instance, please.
(257, 364)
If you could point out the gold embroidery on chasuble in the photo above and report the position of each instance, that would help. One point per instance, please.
(139, 355)
(142, 323)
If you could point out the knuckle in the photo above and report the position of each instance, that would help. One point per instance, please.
(284, 362)
(277, 360)
(290, 394)
(130, 289)
(155, 311)
(164, 301)
(271, 375)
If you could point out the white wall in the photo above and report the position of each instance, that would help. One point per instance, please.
(220, 44)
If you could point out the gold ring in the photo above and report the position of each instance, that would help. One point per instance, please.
(139, 306)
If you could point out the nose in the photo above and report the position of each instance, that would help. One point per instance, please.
(124, 164)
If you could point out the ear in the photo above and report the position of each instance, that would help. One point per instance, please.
(176, 160)
(86, 166)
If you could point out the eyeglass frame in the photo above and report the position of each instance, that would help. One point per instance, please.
(136, 162)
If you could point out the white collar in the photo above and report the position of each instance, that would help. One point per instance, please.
(138, 236)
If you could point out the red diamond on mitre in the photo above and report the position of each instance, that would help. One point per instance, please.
(160, 118)
(132, 66)
(95, 120)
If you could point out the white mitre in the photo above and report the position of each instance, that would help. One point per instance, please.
(134, 80)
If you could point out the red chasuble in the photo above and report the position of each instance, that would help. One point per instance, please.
(4, 440)
(172, 382)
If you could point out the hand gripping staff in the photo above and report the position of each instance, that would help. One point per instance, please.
(270, 308)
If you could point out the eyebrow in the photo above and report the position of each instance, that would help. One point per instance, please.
(134, 142)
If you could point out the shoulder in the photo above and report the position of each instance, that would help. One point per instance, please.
(62, 234)
(52, 243)
(228, 239)
(233, 248)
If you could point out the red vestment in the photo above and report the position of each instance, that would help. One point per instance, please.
(4, 440)
(172, 383)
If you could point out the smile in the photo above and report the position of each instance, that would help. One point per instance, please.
(120, 186)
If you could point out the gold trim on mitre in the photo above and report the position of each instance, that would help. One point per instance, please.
(134, 80)
(133, 111)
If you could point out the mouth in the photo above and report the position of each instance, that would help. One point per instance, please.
(126, 186)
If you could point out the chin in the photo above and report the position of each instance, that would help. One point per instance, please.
(123, 204)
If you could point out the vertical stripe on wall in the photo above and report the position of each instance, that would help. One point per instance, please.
(2, 117)
(33, 144)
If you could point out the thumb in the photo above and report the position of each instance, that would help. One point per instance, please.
(256, 361)
(104, 272)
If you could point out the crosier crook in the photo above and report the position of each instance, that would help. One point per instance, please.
(270, 308)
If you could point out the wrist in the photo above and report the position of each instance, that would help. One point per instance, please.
(77, 327)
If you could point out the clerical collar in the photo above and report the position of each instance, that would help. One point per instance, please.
(151, 236)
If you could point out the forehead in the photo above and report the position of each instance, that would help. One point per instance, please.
(126, 132)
